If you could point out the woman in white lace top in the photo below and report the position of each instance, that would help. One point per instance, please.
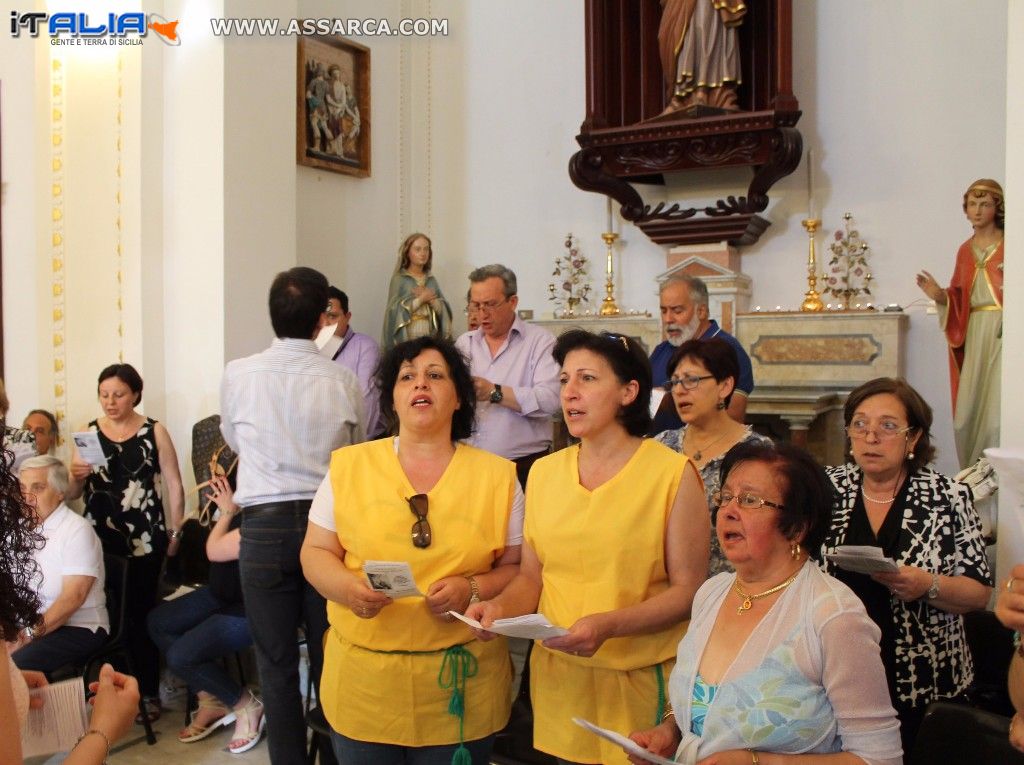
(780, 663)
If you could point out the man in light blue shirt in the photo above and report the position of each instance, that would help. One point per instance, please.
(514, 373)
(283, 411)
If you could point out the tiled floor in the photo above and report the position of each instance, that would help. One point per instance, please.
(133, 750)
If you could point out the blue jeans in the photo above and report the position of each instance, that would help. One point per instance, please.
(353, 752)
(196, 630)
(278, 600)
(65, 645)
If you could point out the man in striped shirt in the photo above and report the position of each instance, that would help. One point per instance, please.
(284, 411)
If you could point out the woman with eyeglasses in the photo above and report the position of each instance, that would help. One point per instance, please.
(780, 662)
(615, 546)
(416, 306)
(704, 374)
(403, 682)
(888, 497)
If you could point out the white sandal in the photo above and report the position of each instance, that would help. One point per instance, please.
(193, 732)
(253, 733)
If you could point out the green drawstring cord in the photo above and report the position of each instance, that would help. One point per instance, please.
(659, 716)
(457, 666)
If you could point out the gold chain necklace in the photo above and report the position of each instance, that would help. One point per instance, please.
(748, 600)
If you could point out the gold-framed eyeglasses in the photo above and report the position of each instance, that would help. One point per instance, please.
(689, 382)
(744, 499)
(884, 430)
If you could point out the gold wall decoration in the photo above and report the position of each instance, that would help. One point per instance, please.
(118, 197)
(57, 251)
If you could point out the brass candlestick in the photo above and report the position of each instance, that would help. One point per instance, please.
(608, 305)
(812, 300)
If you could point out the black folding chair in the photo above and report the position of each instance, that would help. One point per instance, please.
(116, 588)
(957, 733)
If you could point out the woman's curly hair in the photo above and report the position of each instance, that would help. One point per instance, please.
(19, 603)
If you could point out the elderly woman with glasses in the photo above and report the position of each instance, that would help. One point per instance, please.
(403, 682)
(780, 662)
(889, 498)
(615, 546)
(704, 374)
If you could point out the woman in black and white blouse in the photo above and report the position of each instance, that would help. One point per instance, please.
(889, 498)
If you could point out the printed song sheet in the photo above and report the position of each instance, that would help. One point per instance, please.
(530, 626)
(59, 723)
(393, 578)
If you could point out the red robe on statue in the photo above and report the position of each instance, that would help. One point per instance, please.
(958, 306)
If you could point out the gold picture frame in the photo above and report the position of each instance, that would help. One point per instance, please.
(332, 125)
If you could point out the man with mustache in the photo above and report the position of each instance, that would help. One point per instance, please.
(684, 316)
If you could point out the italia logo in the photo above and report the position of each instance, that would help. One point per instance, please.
(72, 25)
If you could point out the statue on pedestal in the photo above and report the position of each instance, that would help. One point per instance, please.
(971, 315)
(700, 54)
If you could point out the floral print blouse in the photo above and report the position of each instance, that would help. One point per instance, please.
(123, 499)
(710, 474)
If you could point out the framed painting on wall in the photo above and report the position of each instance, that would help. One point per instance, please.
(332, 127)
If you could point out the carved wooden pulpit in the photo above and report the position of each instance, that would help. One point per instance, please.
(624, 140)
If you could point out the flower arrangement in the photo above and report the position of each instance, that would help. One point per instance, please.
(574, 292)
(848, 275)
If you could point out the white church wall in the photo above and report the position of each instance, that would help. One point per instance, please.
(27, 362)
(259, 173)
(185, 191)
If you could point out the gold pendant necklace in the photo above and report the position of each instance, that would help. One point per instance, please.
(748, 600)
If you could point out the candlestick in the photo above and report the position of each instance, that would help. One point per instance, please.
(810, 185)
(608, 305)
(812, 301)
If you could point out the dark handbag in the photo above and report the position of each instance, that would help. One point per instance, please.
(211, 457)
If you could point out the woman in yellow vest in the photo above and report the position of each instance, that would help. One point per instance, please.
(615, 546)
(403, 682)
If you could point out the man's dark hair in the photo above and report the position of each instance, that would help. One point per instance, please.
(341, 297)
(298, 297)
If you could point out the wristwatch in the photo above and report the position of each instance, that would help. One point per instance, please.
(474, 590)
(29, 633)
(496, 394)
(933, 591)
